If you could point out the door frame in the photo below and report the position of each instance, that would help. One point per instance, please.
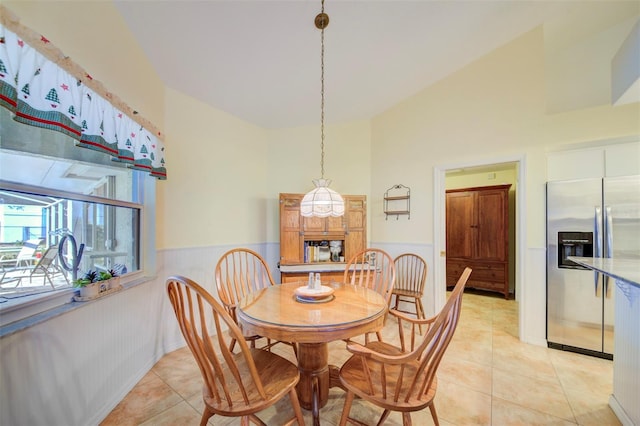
(439, 231)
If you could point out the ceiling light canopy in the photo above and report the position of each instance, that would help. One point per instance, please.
(322, 201)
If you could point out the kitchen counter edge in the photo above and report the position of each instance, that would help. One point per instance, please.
(627, 270)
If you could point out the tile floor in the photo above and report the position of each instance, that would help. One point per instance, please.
(487, 377)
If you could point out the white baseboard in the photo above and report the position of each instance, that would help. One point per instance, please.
(619, 412)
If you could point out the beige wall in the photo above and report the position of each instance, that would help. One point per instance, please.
(490, 108)
(484, 178)
(217, 191)
(493, 108)
(294, 160)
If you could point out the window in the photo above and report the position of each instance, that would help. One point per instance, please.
(44, 197)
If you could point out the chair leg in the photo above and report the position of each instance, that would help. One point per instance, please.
(50, 281)
(206, 415)
(420, 311)
(434, 415)
(293, 396)
(232, 345)
(420, 308)
(347, 407)
(384, 416)
(406, 419)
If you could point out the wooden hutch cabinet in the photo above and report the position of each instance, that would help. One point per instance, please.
(297, 233)
(478, 237)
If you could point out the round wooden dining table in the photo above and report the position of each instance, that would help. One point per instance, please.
(275, 312)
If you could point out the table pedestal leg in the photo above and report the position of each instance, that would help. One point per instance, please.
(313, 388)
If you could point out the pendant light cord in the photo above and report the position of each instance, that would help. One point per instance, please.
(322, 92)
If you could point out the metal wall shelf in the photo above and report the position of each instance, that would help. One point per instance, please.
(397, 201)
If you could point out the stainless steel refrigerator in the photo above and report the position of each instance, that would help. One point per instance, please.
(587, 218)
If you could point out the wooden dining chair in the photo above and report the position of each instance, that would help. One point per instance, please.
(235, 384)
(374, 269)
(411, 275)
(402, 378)
(239, 272)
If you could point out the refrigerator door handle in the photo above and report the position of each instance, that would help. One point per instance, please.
(598, 240)
(598, 231)
(608, 232)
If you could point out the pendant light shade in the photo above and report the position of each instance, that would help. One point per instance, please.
(322, 201)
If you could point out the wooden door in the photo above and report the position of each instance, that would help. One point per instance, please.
(314, 225)
(478, 236)
(291, 242)
(323, 225)
(492, 211)
(461, 231)
(356, 225)
(336, 225)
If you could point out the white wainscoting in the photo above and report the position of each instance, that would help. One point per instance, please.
(74, 368)
(533, 297)
(199, 265)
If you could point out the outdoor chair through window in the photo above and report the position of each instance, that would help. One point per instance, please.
(47, 267)
(14, 267)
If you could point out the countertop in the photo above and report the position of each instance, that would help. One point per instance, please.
(627, 270)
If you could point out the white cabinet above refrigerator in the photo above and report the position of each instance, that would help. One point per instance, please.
(611, 160)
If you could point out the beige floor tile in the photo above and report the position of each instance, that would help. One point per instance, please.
(487, 377)
(545, 395)
(472, 344)
(506, 413)
(591, 407)
(467, 373)
(582, 371)
(460, 405)
(150, 397)
(512, 356)
(181, 373)
(180, 414)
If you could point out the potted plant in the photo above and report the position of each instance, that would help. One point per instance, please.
(95, 282)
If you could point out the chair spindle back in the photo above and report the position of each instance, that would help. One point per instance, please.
(229, 378)
(374, 269)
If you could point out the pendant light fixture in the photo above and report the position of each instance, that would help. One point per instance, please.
(322, 201)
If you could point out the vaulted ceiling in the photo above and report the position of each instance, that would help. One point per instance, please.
(260, 59)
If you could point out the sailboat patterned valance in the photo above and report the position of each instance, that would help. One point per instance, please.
(41, 93)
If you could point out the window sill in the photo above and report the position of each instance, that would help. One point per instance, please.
(39, 308)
